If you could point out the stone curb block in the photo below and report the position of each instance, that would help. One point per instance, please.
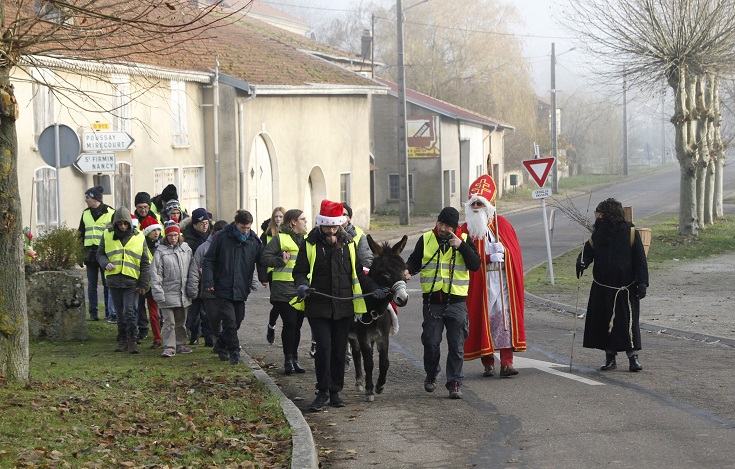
(304, 453)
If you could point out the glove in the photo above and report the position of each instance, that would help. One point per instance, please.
(498, 248)
(497, 257)
(641, 292)
(302, 291)
(580, 268)
(379, 294)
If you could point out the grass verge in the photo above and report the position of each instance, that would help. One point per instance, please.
(666, 247)
(86, 406)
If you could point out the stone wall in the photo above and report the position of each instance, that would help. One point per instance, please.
(56, 307)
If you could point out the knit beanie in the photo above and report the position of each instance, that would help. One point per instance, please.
(95, 193)
(199, 215)
(142, 198)
(348, 209)
(149, 224)
(172, 204)
(169, 193)
(172, 226)
(449, 216)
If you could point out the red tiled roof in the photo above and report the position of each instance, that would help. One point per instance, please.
(444, 108)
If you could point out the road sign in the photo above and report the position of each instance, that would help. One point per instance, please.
(541, 193)
(68, 146)
(106, 141)
(539, 169)
(96, 162)
(100, 126)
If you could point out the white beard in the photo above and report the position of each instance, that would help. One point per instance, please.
(477, 223)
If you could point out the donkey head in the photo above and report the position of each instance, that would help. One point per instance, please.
(388, 267)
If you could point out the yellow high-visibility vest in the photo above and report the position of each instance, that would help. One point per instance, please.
(458, 274)
(267, 241)
(126, 259)
(285, 273)
(358, 304)
(93, 228)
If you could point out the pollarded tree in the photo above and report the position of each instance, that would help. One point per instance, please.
(686, 44)
(87, 30)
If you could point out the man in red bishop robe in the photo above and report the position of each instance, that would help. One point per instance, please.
(495, 299)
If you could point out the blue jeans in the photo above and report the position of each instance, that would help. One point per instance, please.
(126, 306)
(94, 271)
(454, 318)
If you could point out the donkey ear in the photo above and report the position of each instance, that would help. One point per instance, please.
(398, 247)
(375, 247)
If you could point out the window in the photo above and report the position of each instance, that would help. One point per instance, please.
(43, 101)
(452, 182)
(163, 177)
(191, 193)
(123, 186)
(178, 112)
(394, 186)
(344, 188)
(121, 103)
(47, 215)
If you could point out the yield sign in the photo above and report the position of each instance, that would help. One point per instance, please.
(539, 169)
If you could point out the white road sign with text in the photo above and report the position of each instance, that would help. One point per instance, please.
(106, 141)
(96, 162)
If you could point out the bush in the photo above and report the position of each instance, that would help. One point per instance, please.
(57, 249)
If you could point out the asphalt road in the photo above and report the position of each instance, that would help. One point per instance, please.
(678, 412)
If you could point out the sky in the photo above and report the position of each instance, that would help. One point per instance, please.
(538, 32)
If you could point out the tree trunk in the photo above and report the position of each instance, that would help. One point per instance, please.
(13, 317)
(718, 152)
(684, 152)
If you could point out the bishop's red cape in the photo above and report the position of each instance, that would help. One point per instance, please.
(480, 341)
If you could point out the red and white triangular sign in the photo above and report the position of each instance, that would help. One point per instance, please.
(539, 169)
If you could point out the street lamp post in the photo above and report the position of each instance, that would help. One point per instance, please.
(555, 168)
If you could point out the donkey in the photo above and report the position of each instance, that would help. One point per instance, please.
(374, 327)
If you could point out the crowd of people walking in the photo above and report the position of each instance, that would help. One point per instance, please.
(187, 279)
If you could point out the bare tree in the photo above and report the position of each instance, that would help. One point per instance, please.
(89, 30)
(688, 45)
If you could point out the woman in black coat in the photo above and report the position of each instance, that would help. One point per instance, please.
(620, 279)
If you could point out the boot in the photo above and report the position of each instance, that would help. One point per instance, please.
(609, 363)
(319, 402)
(296, 365)
(122, 345)
(133, 344)
(635, 364)
(288, 365)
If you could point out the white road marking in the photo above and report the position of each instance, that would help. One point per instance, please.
(549, 367)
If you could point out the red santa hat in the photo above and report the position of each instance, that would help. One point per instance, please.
(331, 214)
(149, 224)
(484, 190)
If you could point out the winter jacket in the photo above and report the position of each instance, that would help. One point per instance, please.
(131, 235)
(91, 251)
(273, 257)
(194, 285)
(229, 264)
(364, 254)
(332, 276)
(169, 275)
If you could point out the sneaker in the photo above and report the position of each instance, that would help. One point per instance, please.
(168, 353)
(194, 341)
(312, 351)
(507, 371)
(319, 402)
(234, 358)
(112, 319)
(335, 400)
(156, 344)
(183, 349)
(455, 392)
(429, 384)
(142, 335)
(270, 334)
(94, 317)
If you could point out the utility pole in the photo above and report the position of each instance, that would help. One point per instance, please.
(404, 217)
(555, 167)
(625, 125)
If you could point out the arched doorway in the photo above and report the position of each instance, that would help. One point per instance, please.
(315, 192)
(260, 182)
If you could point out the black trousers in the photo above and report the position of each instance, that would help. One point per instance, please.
(331, 345)
(292, 321)
(231, 313)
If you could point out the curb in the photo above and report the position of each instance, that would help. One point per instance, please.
(710, 339)
(303, 452)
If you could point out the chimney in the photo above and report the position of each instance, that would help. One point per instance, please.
(366, 43)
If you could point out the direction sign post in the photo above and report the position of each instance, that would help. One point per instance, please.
(106, 141)
(96, 163)
(539, 169)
